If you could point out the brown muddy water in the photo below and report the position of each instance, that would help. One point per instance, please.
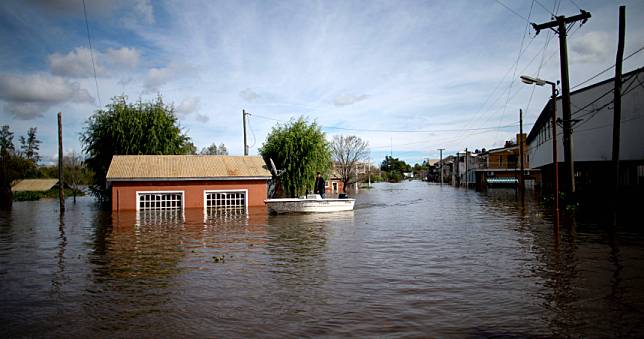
(414, 259)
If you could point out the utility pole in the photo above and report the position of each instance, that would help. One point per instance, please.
(61, 183)
(617, 98)
(244, 114)
(369, 175)
(441, 162)
(521, 140)
(559, 26)
(466, 178)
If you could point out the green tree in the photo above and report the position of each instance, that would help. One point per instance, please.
(124, 128)
(347, 152)
(6, 153)
(6, 141)
(213, 149)
(189, 148)
(13, 165)
(299, 149)
(30, 145)
(394, 168)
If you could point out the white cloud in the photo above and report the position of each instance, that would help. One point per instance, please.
(188, 105)
(202, 118)
(78, 62)
(75, 64)
(593, 47)
(140, 13)
(348, 99)
(144, 10)
(125, 57)
(157, 77)
(249, 95)
(28, 96)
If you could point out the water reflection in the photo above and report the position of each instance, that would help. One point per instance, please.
(412, 260)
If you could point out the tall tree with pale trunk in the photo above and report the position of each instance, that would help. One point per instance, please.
(347, 152)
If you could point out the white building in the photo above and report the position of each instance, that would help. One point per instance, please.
(465, 173)
(592, 114)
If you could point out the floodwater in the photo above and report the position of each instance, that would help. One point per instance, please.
(414, 259)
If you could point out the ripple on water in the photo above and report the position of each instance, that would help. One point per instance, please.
(413, 259)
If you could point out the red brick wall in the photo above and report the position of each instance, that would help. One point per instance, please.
(329, 187)
(124, 193)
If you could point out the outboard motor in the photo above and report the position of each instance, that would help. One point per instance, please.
(343, 196)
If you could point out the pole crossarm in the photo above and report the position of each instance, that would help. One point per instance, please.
(584, 16)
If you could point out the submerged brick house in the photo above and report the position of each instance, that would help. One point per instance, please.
(162, 182)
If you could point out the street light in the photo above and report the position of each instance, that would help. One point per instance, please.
(540, 82)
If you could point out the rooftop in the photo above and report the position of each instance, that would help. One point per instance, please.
(186, 167)
(34, 185)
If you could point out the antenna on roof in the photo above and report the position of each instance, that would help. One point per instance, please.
(274, 169)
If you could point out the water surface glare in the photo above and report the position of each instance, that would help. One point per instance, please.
(413, 259)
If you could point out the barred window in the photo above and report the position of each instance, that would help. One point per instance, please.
(160, 201)
(226, 200)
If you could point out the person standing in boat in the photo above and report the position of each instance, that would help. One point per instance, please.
(319, 185)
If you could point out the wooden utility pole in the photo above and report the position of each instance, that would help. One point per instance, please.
(521, 140)
(244, 114)
(466, 178)
(617, 96)
(61, 183)
(441, 162)
(559, 26)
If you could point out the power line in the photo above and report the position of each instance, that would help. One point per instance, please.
(574, 3)
(544, 7)
(606, 70)
(394, 130)
(513, 11)
(481, 112)
(91, 53)
(516, 64)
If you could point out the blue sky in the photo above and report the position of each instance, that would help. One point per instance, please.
(407, 76)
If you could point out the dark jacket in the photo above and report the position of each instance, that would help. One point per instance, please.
(319, 185)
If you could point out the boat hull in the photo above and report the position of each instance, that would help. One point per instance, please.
(309, 205)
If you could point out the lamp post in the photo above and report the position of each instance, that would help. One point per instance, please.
(540, 82)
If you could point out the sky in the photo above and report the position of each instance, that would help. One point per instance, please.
(409, 77)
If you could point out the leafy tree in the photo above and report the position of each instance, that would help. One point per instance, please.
(6, 152)
(13, 165)
(189, 148)
(347, 151)
(222, 150)
(300, 150)
(394, 168)
(6, 141)
(124, 128)
(30, 145)
(213, 149)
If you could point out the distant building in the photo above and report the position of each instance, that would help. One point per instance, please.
(177, 182)
(334, 183)
(446, 166)
(34, 185)
(501, 167)
(465, 168)
(592, 114)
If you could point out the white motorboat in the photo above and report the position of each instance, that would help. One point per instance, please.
(312, 203)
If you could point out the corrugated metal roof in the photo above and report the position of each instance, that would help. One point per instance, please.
(186, 167)
(34, 185)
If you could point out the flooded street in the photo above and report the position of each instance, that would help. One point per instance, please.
(413, 259)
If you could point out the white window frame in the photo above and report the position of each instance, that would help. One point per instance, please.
(206, 192)
(139, 193)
